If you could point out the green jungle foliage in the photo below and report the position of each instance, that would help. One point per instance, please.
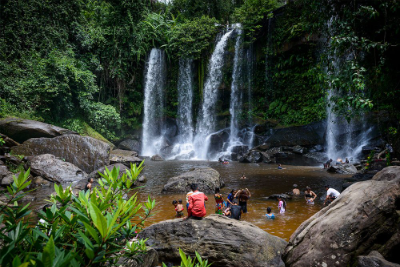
(63, 61)
(91, 228)
(94, 228)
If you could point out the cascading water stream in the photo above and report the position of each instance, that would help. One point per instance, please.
(249, 140)
(235, 103)
(153, 103)
(206, 119)
(343, 138)
(184, 148)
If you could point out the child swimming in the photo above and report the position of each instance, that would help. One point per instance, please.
(269, 214)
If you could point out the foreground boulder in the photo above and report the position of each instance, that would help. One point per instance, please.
(374, 259)
(206, 178)
(21, 130)
(55, 170)
(223, 241)
(343, 169)
(365, 217)
(85, 152)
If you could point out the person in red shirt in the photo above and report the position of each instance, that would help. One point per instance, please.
(197, 207)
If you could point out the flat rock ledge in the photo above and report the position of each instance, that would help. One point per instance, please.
(221, 240)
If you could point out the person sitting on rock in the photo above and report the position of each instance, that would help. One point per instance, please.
(295, 190)
(219, 202)
(187, 198)
(269, 214)
(331, 194)
(243, 195)
(281, 205)
(197, 207)
(309, 196)
(280, 167)
(235, 210)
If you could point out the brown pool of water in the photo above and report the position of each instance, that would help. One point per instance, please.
(262, 180)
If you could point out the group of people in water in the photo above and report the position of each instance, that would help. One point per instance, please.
(236, 202)
(233, 207)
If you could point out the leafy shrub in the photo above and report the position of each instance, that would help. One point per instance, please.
(93, 228)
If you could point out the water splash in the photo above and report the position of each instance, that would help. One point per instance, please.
(206, 119)
(153, 103)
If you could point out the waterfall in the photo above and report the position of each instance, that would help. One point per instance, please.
(344, 139)
(206, 118)
(249, 75)
(184, 148)
(236, 103)
(153, 103)
(185, 98)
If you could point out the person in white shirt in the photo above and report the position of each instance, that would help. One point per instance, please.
(331, 194)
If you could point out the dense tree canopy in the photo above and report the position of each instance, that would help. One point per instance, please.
(82, 61)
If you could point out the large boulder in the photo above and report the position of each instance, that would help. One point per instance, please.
(129, 144)
(221, 240)
(55, 170)
(207, 179)
(343, 169)
(156, 158)
(363, 218)
(85, 152)
(8, 142)
(21, 130)
(121, 152)
(124, 158)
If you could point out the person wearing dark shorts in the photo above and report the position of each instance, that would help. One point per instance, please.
(236, 211)
(243, 195)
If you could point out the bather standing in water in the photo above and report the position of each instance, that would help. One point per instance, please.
(243, 195)
(309, 195)
(295, 190)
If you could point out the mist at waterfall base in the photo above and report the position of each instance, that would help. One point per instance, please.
(197, 142)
